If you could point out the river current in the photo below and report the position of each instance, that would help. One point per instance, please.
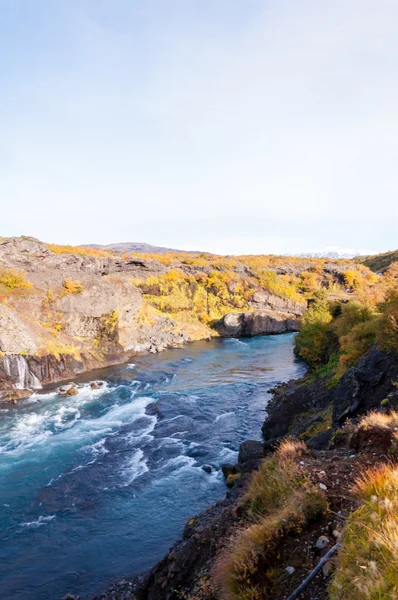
(98, 486)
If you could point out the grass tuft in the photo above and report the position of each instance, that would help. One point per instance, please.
(279, 500)
(367, 566)
(379, 419)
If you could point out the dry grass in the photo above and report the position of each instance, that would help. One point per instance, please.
(367, 566)
(279, 500)
(378, 419)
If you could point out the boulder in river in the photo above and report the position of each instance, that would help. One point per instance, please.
(68, 390)
(96, 385)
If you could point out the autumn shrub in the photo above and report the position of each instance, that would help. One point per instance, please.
(352, 314)
(13, 279)
(367, 562)
(356, 343)
(387, 334)
(71, 287)
(280, 285)
(110, 324)
(208, 296)
(81, 250)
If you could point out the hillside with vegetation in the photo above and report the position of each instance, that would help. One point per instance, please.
(379, 262)
(66, 309)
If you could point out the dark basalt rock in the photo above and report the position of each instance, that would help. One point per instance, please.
(321, 441)
(250, 450)
(364, 387)
(228, 470)
(294, 408)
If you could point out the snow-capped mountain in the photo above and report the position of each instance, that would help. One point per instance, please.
(334, 252)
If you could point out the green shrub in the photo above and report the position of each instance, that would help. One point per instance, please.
(315, 335)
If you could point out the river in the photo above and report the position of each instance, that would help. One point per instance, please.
(98, 486)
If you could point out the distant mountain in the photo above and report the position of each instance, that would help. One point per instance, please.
(139, 247)
(334, 252)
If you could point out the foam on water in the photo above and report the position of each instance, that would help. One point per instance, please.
(179, 462)
(133, 468)
(224, 416)
(39, 522)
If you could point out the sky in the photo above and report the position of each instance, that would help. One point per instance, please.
(222, 125)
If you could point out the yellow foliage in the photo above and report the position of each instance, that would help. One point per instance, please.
(110, 324)
(353, 279)
(71, 287)
(101, 252)
(14, 279)
(206, 296)
(57, 349)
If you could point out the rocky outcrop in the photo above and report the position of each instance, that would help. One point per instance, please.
(256, 323)
(16, 333)
(364, 387)
(21, 375)
(263, 300)
(293, 408)
(35, 257)
(299, 407)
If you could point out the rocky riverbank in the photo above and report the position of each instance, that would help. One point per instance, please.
(305, 409)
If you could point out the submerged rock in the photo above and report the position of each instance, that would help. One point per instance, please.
(207, 468)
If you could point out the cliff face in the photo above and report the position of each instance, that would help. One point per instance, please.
(78, 312)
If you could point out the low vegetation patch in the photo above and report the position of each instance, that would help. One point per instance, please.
(367, 566)
(13, 279)
(71, 287)
(83, 250)
(279, 501)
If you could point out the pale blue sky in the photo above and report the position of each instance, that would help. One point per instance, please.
(224, 125)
